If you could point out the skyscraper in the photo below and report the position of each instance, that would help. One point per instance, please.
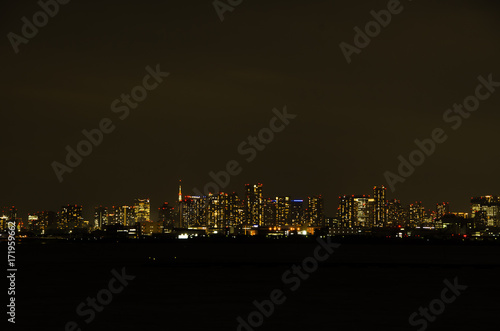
(269, 212)
(49, 218)
(395, 213)
(364, 211)
(114, 216)
(254, 204)
(142, 210)
(218, 211)
(347, 212)
(283, 211)
(315, 211)
(128, 215)
(234, 205)
(356, 211)
(100, 217)
(34, 225)
(379, 193)
(71, 217)
(166, 215)
(442, 209)
(4, 218)
(297, 212)
(416, 213)
(486, 209)
(194, 212)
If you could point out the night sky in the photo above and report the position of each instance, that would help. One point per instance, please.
(353, 120)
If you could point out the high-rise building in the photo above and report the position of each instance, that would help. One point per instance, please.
(121, 215)
(347, 213)
(315, 211)
(3, 222)
(442, 209)
(100, 217)
(142, 210)
(356, 211)
(4, 218)
(395, 213)
(71, 217)
(486, 210)
(128, 215)
(379, 195)
(218, 211)
(364, 211)
(9, 214)
(166, 215)
(269, 212)
(194, 212)
(48, 219)
(416, 213)
(234, 205)
(34, 225)
(254, 204)
(115, 216)
(297, 212)
(283, 211)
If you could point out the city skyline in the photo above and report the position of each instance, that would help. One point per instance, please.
(356, 210)
(27, 210)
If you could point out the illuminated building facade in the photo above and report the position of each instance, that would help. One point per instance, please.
(100, 217)
(3, 222)
(379, 195)
(9, 214)
(34, 225)
(194, 212)
(114, 216)
(442, 209)
(235, 212)
(485, 210)
(121, 215)
(297, 212)
(71, 217)
(142, 210)
(49, 219)
(395, 213)
(283, 211)
(218, 211)
(356, 211)
(364, 211)
(315, 211)
(128, 215)
(254, 204)
(4, 218)
(416, 214)
(269, 212)
(347, 212)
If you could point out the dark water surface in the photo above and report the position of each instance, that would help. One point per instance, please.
(206, 286)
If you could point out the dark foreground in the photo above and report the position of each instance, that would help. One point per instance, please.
(206, 286)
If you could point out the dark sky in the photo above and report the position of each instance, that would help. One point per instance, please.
(225, 78)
